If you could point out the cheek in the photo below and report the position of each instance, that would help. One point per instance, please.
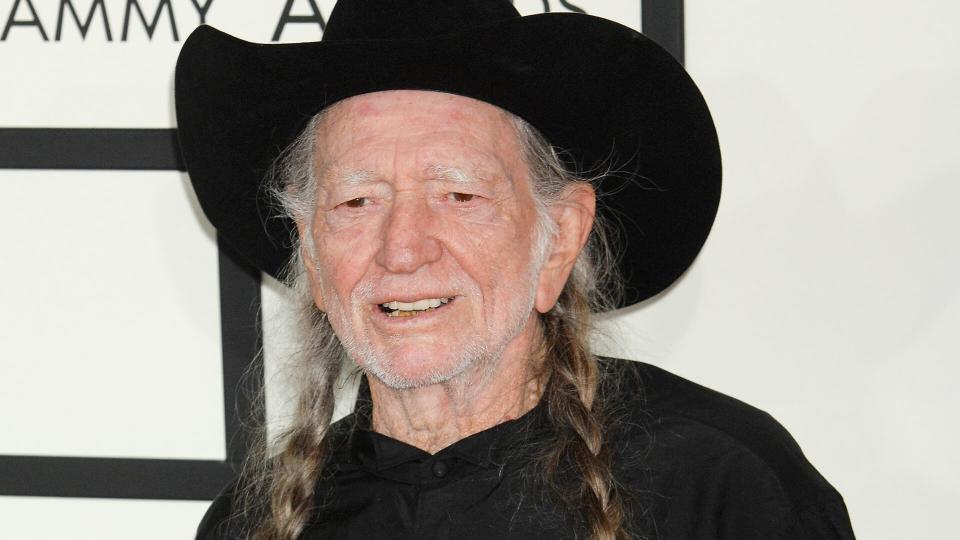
(497, 256)
(342, 258)
(507, 241)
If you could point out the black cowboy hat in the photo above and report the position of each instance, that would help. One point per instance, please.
(603, 93)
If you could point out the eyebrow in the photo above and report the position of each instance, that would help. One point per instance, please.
(455, 175)
(349, 177)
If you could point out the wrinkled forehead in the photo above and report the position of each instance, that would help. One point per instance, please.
(441, 106)
(431, 130)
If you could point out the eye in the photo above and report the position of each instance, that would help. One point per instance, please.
(462, 197)
(356, 203)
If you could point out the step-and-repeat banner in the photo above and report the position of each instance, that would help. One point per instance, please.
(826, 294)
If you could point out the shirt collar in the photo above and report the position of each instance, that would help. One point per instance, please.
(491, 447)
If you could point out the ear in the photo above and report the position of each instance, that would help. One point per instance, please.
(573, 215)
(310, 266)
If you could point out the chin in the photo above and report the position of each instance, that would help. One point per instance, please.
(417, 367)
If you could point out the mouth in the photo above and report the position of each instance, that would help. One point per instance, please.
(396, 308)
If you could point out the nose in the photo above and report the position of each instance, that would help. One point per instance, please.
(408, 236)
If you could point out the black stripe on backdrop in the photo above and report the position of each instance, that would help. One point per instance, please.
(131, 149)
(115, 478)
(241, 338)
(156, 149)
(662, 21)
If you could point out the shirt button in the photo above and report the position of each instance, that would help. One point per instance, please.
(439, 469)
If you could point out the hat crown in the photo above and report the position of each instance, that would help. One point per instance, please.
(400, 19)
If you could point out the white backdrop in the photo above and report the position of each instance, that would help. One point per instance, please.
(825, 294)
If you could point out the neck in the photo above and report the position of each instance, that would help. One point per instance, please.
(489, 393)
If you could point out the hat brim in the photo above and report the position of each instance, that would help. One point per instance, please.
(605, 94)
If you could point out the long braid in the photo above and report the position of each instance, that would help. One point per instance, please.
(288, 479)
(301, 462)
(574, 376)
(578, 422)
(275, 496)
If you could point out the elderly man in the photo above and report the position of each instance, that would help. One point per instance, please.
(434, 181)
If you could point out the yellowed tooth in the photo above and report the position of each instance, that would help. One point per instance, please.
(408, 309)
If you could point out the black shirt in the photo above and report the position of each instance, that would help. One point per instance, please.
(693, 463)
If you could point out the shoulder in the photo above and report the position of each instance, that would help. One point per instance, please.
(712, 456)
(675, 412)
